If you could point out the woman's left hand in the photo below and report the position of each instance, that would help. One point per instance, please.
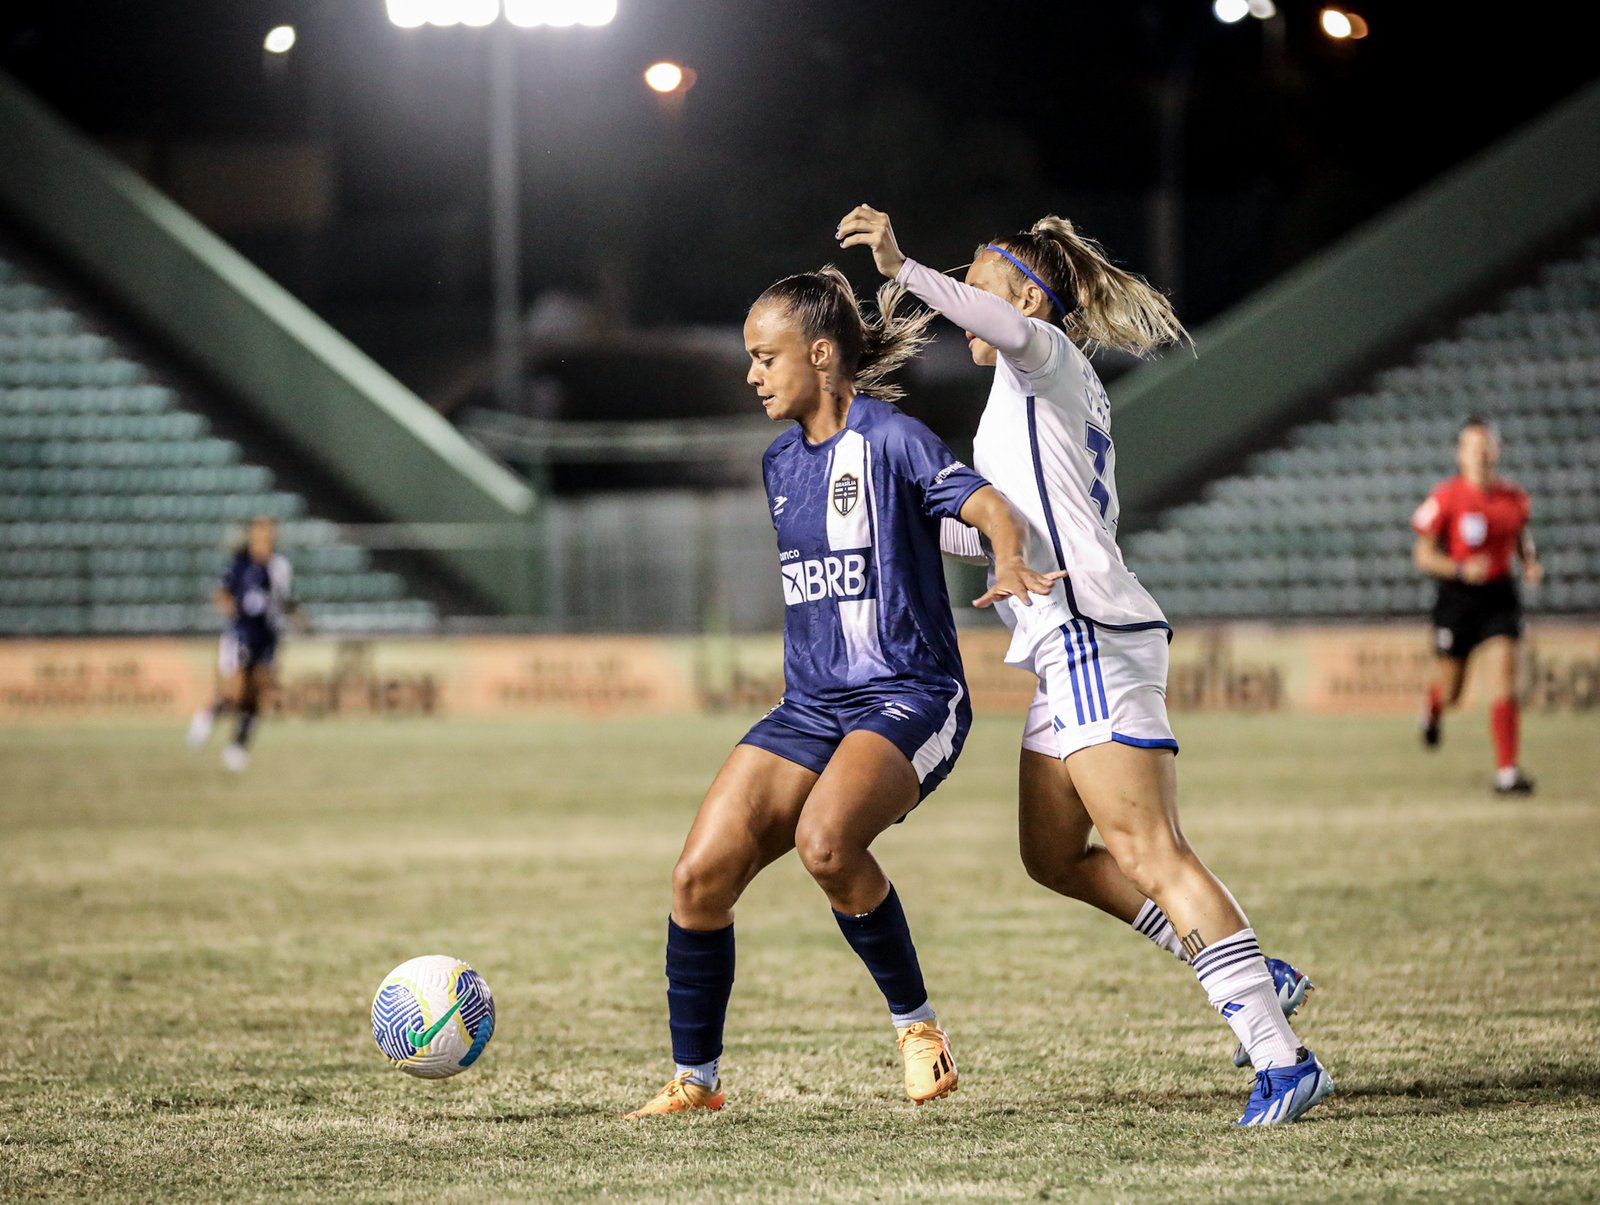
(865, 226)
(1016, 580)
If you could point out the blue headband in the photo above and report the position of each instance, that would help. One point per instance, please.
(1026, 271)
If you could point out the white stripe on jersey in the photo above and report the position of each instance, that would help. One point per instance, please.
(851, 531)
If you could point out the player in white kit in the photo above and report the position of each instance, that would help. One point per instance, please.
(1098, 751)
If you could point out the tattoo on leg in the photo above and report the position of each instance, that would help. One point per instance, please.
(1193, 943)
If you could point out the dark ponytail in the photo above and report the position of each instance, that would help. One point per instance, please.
(871, 349)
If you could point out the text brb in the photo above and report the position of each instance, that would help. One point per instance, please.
(840, 576)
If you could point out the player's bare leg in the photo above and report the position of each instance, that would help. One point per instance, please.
(867, 786)
(1497, 658)
(1053, 830)
(1444, 692)
(746, 821)
(1132, 795)
(254, 692)
(228, 691)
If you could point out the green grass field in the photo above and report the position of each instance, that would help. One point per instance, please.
(194, 956)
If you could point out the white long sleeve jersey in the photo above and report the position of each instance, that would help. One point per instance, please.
(1045, 442)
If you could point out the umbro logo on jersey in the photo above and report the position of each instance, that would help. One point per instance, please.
(845, 492)
(778, 504)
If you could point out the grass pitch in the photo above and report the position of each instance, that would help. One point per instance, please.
(192, 956)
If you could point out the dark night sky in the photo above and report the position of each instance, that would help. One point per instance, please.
(963, 120)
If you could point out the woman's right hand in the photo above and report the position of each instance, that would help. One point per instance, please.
(865, 226)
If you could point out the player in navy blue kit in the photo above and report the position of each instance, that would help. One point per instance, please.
(254, 593)
(875, 708)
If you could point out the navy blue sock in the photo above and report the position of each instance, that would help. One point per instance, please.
(883, 940)
(699, 982)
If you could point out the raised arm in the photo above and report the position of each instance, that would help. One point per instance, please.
(992, 319)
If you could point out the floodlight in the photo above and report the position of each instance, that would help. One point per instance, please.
(280, 39)
(664, 77)
(408, 14)
(1230, 11)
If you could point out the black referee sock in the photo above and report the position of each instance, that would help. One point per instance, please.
(247, 722)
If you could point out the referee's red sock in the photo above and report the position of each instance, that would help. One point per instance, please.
(1503, 723)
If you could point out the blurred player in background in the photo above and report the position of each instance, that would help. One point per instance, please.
(253, 593)
(1468, 529)
(1097, 748)
(874, 709)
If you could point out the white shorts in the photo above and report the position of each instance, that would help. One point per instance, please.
(1097, 685)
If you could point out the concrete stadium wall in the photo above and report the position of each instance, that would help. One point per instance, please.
(347, 416)
(1309, 332)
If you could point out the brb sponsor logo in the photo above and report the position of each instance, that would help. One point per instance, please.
(837, 575)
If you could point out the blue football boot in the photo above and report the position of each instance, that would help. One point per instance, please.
(1285, 1094)
(1291, 986)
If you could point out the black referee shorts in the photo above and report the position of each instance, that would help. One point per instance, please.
(1466, 615)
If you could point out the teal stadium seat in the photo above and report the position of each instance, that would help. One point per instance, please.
(1319, 526)
(116, 501)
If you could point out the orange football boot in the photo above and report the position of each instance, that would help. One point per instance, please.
(930, 1067)
(679, 1096)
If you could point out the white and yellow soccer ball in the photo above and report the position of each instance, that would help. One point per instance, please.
(433, 1016)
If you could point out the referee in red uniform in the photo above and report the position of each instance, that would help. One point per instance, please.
(1467, 532)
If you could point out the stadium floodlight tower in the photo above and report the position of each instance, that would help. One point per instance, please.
(505, 225)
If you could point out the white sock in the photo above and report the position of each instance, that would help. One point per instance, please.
(1505, 776)
(1153, 923)
(704, 1074)
(925, 1013)
(1239, 986)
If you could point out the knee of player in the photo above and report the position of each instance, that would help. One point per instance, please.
(1059, 870)
(702, 883)
(1148, 859)
(822, 853)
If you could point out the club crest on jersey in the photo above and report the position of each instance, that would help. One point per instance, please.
(845, 492)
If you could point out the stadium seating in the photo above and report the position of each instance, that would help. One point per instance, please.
(117, 502)
(1320, 525)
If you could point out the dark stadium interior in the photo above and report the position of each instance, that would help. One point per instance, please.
(354, 168)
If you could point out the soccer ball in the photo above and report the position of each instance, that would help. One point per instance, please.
(433, 1016)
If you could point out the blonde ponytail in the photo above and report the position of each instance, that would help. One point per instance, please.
(871, 348)
(1111, 307)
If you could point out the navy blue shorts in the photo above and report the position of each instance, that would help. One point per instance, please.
(927, 726)
(239, 650)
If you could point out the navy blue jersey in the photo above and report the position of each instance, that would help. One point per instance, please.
(857, 518)
(260, 594)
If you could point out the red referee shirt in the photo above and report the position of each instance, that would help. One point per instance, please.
(1468, 521)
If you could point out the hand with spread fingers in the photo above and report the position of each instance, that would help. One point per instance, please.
(865, 226)
(1016, 580)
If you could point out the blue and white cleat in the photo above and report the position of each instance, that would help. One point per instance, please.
(1292, 988)
(1285, 1094)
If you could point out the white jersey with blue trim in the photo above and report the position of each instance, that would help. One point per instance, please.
(1045, 442)
(857, 518)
